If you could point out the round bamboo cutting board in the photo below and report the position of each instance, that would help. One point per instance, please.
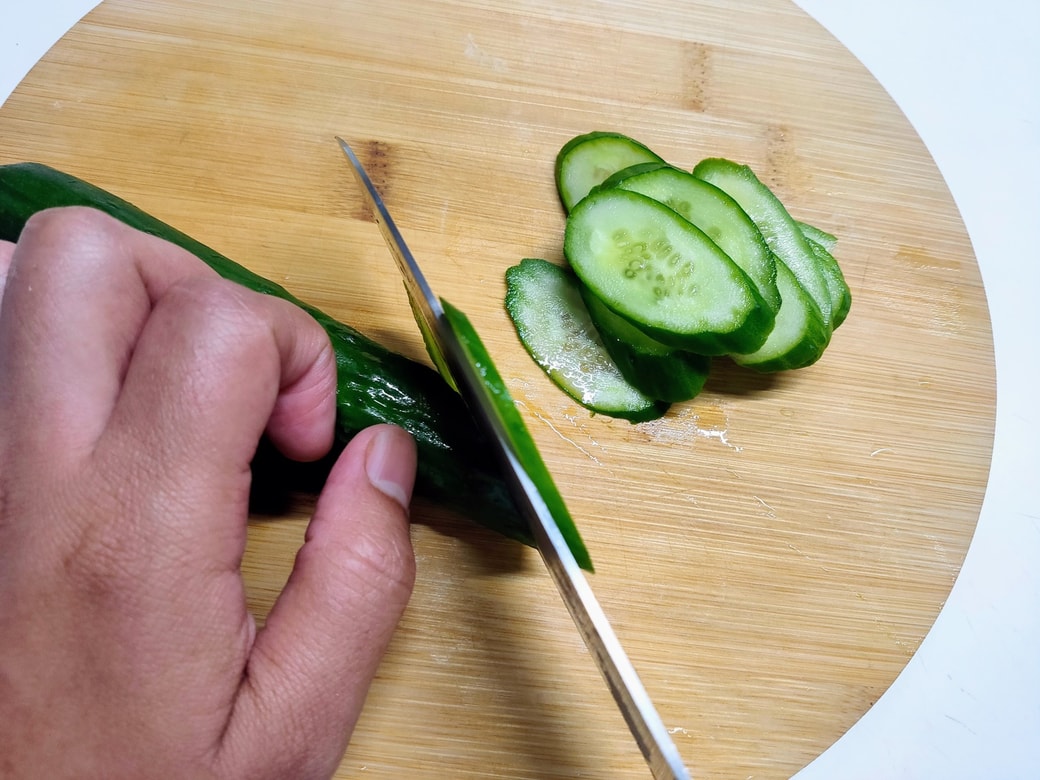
(771, 553)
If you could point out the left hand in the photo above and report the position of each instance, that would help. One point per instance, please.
(135, 385)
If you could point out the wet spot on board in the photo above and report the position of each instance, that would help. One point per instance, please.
(688, 422)
(942, 311)
(921, 259)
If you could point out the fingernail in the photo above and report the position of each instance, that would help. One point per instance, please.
(390, 463)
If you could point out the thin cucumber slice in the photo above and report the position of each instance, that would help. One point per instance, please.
(546, 307)
(715, 213)
(841, 296)
(800, 335)
(586, 160)
(652, 367)
(657, 270)
(778, 227)
(523, 446)
(827, 240)
(432, 348)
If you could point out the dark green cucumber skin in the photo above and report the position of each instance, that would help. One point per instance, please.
(375, 385)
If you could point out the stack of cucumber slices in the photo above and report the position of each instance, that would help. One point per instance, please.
(667, 269)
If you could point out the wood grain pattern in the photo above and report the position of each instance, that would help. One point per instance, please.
(771, 553)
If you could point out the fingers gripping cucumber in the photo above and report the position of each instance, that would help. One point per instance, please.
(375, 385)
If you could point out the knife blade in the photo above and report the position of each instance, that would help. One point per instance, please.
(452, 354)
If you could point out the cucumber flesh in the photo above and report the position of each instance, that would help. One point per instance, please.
(653, 368)
(660, 272)
(545, 304)
(777, 226)
(715, 213)
(586, 160)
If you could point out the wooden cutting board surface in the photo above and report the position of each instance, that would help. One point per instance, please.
(771, 553)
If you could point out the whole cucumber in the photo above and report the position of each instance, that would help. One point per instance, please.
(375, 385)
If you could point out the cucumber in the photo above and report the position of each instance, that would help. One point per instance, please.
(545, 304)
(586, 160)
(841, 296)
(778, 227)
(496, 398)
(653, 368)
(800, 334)
(822, 245)
(676, 267)
(375, 385)
(657, 270)
(814, 234)
(714, 212)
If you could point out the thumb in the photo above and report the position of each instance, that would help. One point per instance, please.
(6, 254)
(311, 665)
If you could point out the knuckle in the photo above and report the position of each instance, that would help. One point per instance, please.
(67, 224)
(386, 562)
(300, 758)
(100, 556)
(379, 567)
(225, 314)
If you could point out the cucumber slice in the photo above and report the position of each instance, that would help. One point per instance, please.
(714, 212)
(799, 336)
(546, 307)
(652, 367)
(778, 227)
(827, 240)
(586, 160)
(841, 296)
(657, 270)
(512, 424)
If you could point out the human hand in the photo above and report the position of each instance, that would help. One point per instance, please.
(135, 385)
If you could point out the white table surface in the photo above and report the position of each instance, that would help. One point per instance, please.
(967, 75)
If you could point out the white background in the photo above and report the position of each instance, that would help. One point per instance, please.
(967, 75)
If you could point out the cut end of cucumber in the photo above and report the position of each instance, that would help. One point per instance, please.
(501, 404)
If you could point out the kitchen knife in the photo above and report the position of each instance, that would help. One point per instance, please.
(457, 351)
